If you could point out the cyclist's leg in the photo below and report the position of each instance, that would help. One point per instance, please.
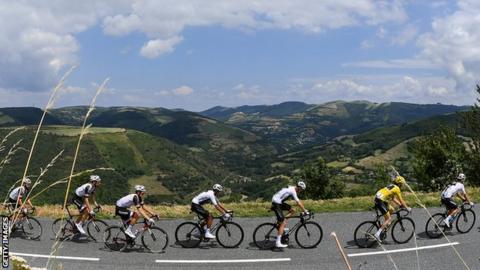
(386, 210)
(452, 208)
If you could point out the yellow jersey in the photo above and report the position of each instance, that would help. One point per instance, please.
(389, 192)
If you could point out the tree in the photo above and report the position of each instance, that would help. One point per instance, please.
(471, 123)
(438, 158)
(320, 185)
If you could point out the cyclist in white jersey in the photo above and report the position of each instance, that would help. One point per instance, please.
(455, 188)
(279, 205)
(209, 196)
(122, 209)
(15, 198)
(83, 195)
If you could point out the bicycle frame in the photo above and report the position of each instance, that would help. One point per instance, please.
(297, 225)
(201, 222)
(396, 215)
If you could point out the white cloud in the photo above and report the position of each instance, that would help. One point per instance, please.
(394, 63)
(156, 47)
(182, 91)
(453, 44)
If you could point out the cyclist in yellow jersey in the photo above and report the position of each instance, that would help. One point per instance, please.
(384, 196)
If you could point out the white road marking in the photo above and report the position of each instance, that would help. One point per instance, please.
(56, 257)
(225, 261)
(402, 250)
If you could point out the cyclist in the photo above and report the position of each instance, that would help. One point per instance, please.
(209, 196)
(455, 188)
(384, 196)
(15, 198)
(279, 205)
(81, 199)
(122, 209)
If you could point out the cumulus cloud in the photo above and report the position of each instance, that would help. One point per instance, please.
(37, 39)
(453, 44)
(156, 47)
(413, 63)
(182, 91)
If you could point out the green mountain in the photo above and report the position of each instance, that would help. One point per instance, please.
(302, 125)
(169, 171)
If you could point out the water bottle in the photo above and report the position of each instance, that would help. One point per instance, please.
(285, 231)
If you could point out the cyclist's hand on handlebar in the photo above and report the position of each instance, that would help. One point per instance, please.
(92, 213)
(151, 220)
(471, 203)
(306, 213)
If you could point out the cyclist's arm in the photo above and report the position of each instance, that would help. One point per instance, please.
(148, 211)
(94, 199)
(220, 208)
(300, 204)
(29, 203)
(87, 203)
(464, 197)
(143, 212)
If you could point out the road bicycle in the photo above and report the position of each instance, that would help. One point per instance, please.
(66, 229)
(228, 233)
(403, 229)
(464, 222)
(308, 233)
(153, 238)
(25, 223)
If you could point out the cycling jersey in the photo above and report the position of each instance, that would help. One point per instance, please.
(389, 192)
(285, 194)
(17, 192)
(85, 190)
(452, 190)
(205, 197)
(129, 200)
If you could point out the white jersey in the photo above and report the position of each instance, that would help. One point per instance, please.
(285, 194)
(85, 190)
(17, 192)
(129, 200)
(205, 197)
(452, 190)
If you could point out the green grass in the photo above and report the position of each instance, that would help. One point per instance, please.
(262, 209)
(75, 131)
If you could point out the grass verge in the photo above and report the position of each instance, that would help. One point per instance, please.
(260, 209)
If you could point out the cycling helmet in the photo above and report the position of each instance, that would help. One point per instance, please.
(140, 188)
(461, 177)
(301, 185)
(399, 181)
(217, 187)
(95, 178)
(27, 181)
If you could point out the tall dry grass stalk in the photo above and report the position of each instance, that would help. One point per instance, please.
(56, 245)
(5, 139)
(49, 105)
(65, 180)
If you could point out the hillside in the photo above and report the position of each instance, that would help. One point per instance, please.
(165, 168)
(302, 125)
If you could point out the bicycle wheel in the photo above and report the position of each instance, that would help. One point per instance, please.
(265, 236)
(188, 235)
(32, 228)
(62, 230)
(95, 229)
(403, 230)
(155, 239)
(435, 226)
(309, 235)
(229, 235)
(465, 220)
(115, 239)
(364, 234)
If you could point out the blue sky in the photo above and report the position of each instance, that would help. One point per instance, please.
(196, 55)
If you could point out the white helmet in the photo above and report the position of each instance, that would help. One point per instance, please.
(217, 187)
(27, 181)
(301, 185)
(140, 188)
(461, 177)
(95, 178)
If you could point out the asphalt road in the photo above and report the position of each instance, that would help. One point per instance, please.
(325, 256)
